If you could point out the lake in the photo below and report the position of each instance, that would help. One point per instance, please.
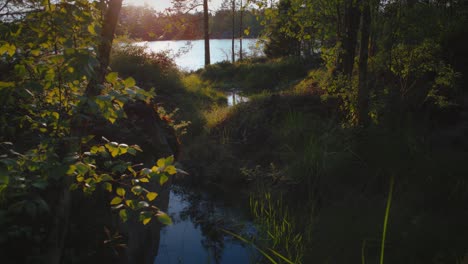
(189, 55)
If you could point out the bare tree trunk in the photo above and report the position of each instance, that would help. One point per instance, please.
(233, 30)
(107, 36)
(206, 32)
(363, 88)
(349, 39)
(241, 30)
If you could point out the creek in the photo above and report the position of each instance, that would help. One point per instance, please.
(196, 234)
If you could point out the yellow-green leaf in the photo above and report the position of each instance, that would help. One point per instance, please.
(130, 203)
(161, 162)
(151, 196)
(91, 29)
(164, 218)
(163, 179)
(116, 200)
(144, 180)
(107, 186)
(129, 82)
(137, 190)
(169, 160)
(146, 220)
(112, 77)
(120, 191)
(6, 84)
(123, 215)
(155, 169)
(115, 152)
(171, 170)
(36, 52)
(8, 48)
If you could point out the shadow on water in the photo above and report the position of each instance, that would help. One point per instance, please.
(196, 235)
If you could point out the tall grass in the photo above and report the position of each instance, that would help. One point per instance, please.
(253, 76)
(278, 228)
(216, 115)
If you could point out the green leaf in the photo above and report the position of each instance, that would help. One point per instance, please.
(73, 187)
(164, 218)
(116, 200)
(132, 151)
(107, 186)
(151, 196)
(163, 179)
(106, 177)
(137, 190)
(129, 82)
(120, 192)
(142, 204)
(112, 77)
(123, 215)
(81, 168)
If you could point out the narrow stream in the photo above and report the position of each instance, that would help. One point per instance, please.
(195, 235)
(234, 98)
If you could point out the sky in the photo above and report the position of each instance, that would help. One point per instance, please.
(160, 5)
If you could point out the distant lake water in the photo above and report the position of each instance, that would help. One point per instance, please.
(189, 55)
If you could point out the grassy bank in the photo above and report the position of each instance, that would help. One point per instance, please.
(293, 147)
(334, 179)
(253, 76)
(182, 97)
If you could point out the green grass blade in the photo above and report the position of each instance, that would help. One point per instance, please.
(387, 212)
(281, 256)
(252, 244)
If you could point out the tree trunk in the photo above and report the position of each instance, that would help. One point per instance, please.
(104, 49)
(349, 38)
(233, 30)
(363, 88)
(56, 239)
(241, 30)
(206, 32)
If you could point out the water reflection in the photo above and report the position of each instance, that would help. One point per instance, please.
(234, 98)
(195, 236)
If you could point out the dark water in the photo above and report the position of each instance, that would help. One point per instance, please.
(196, 236)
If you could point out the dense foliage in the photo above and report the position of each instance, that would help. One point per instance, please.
(53, 132)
